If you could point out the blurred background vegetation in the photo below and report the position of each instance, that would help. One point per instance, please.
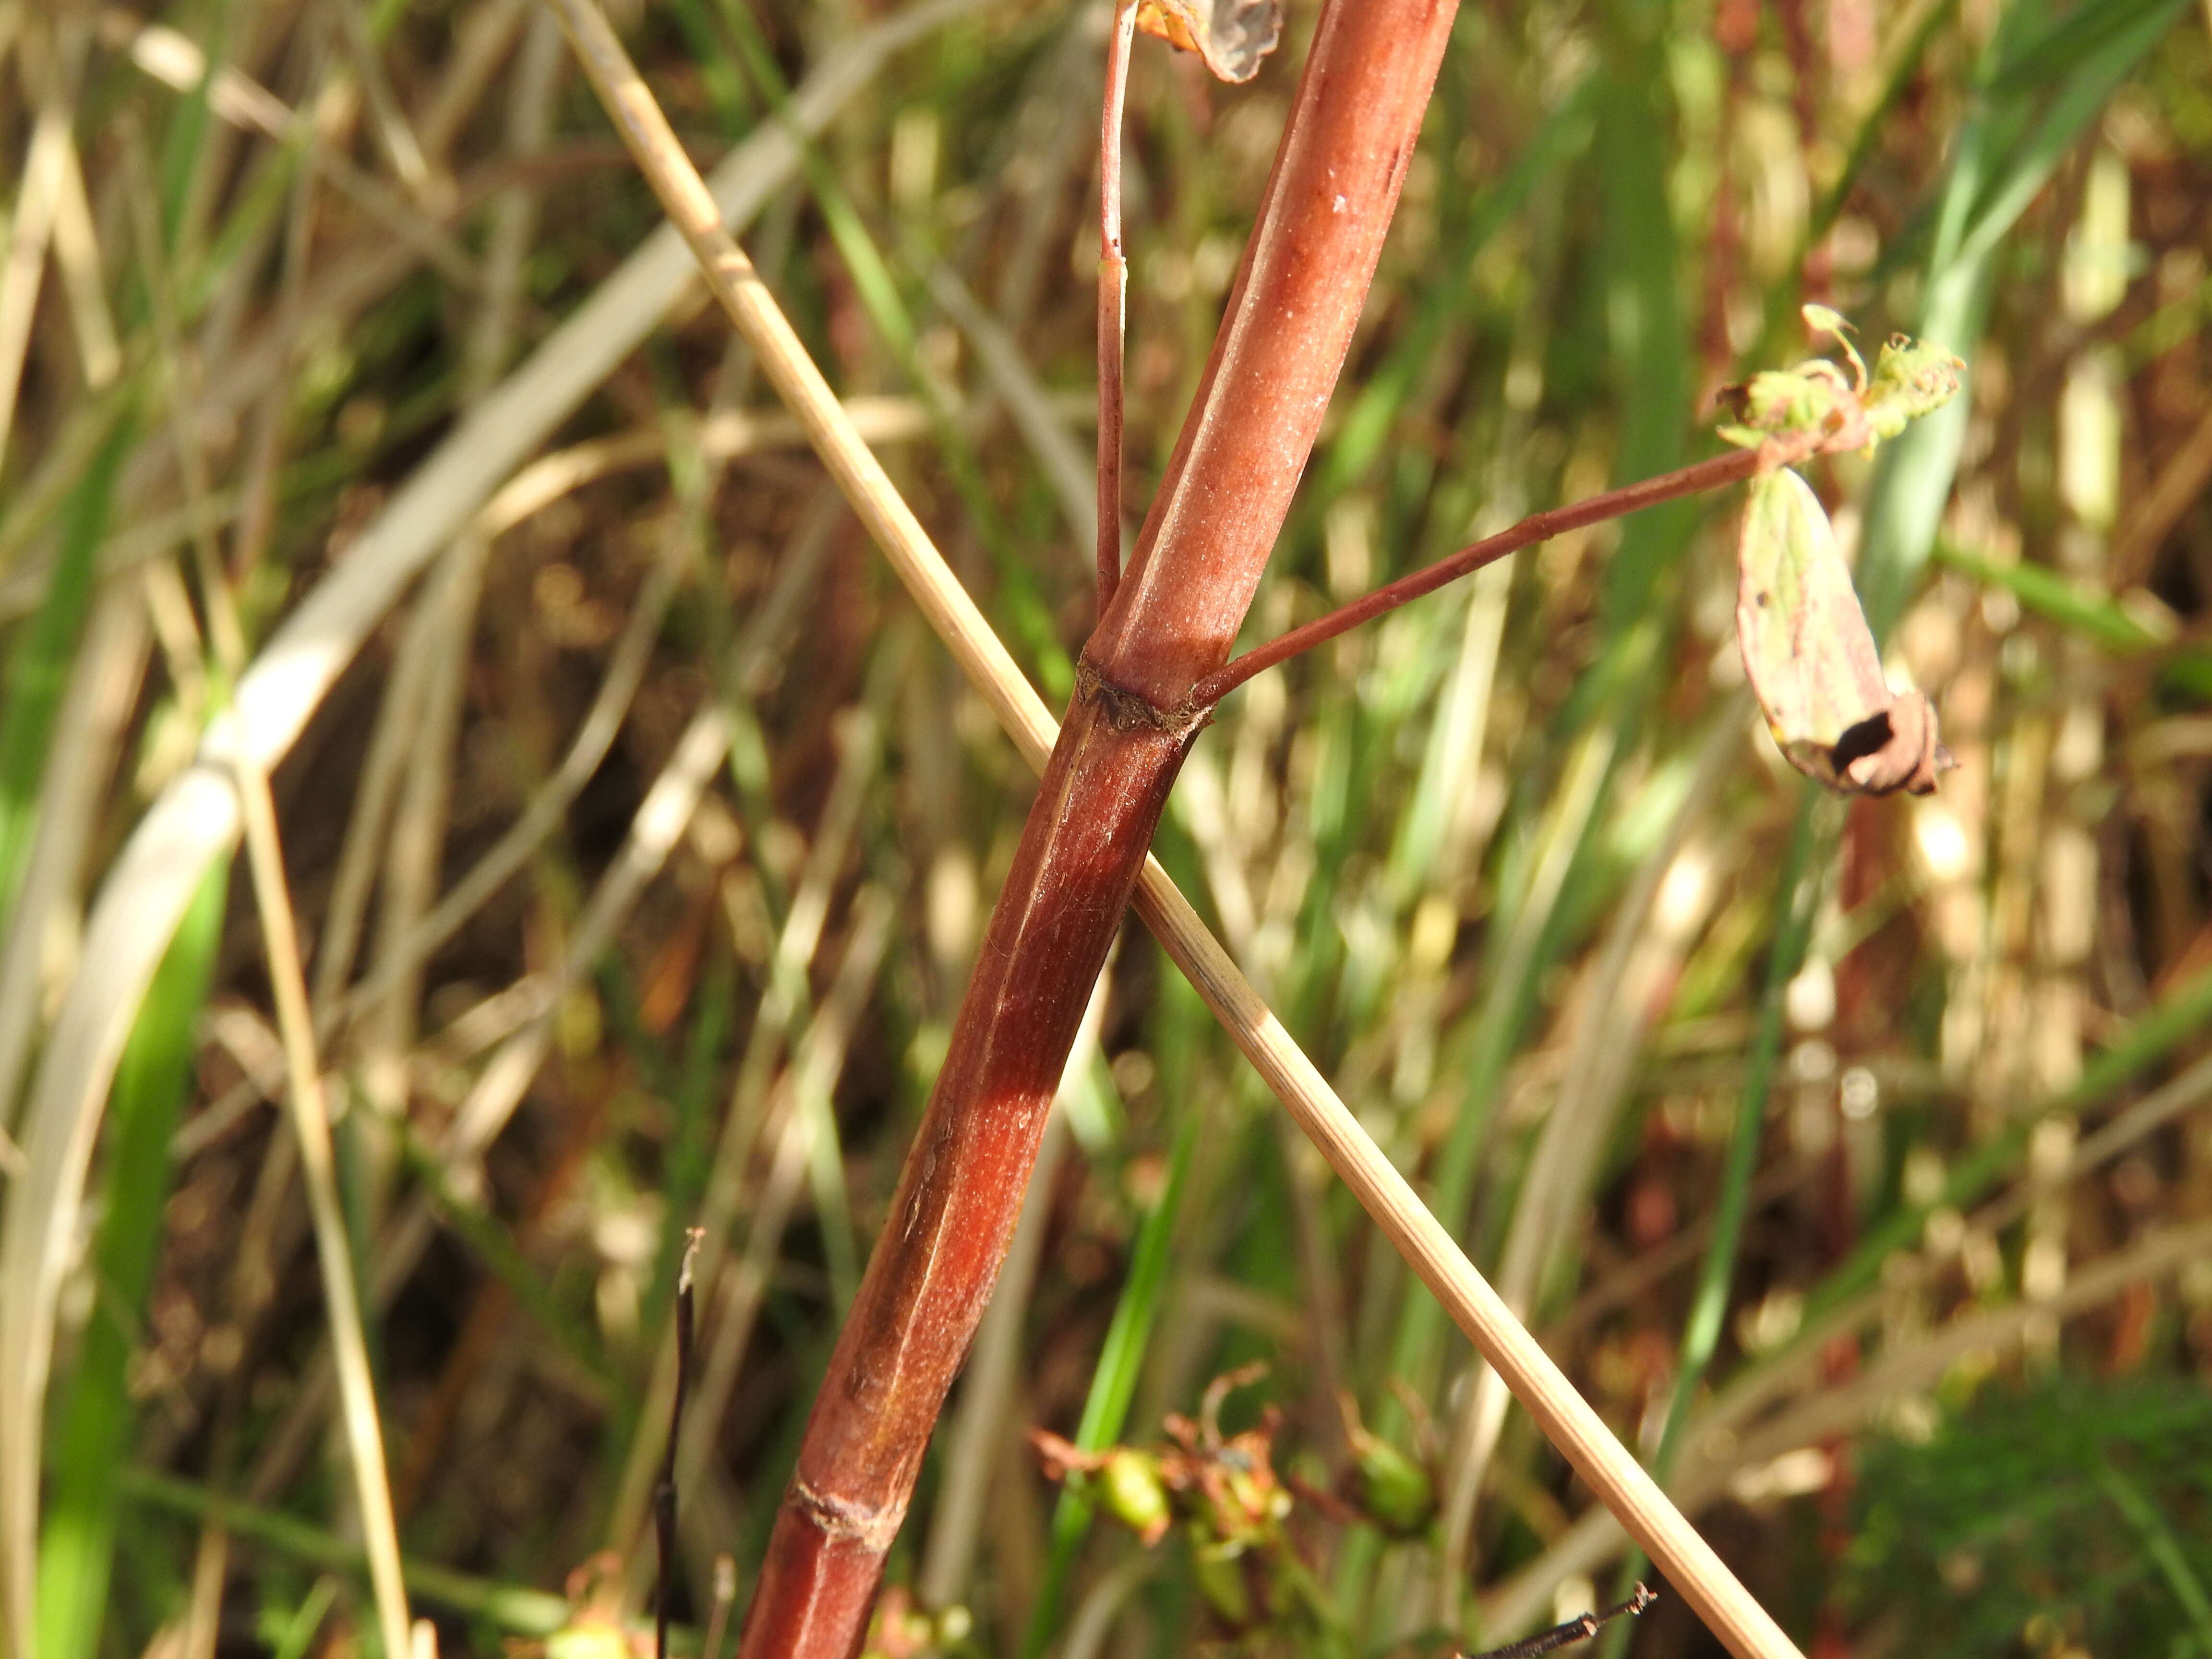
(1855, 1162)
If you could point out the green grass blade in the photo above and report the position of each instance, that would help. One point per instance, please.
(1114, 1384)
(2080, 96)
(2163, 1548)
(1983, 199)
(2043, 591)
(77, 1548)
(38, 668)
(509, 1606)
(1651, 344)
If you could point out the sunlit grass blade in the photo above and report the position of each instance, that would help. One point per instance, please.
(1998, 168)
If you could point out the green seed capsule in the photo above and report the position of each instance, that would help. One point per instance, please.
(1130, 1487)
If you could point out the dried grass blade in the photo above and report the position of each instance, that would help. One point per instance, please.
(30, 229)
(197, 817)
(311, 1122)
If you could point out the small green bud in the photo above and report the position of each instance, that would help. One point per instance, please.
(1130, 1487)
(1812, 398)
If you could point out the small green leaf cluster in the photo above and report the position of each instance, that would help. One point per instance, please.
(1238, 1516)
(1815, 408)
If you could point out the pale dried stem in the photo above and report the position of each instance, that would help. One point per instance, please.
(374, 795)
(1608, 1467)
(482, 40)
(77, 251)
(1028, 404)
(37, 198)
(311, 1124)
(2151, 518)
(243, 103)
(660, 820)
(394, 137)
(89, 729)
(1094, 1619)
(1051, 134)
(514, 211)
(543, 812)
(415, 851)
(335, 1005)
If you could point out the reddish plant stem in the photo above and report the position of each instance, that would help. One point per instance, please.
(1112, 302)
(1171, 621)
(1735, 465)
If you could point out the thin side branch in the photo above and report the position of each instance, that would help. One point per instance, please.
(1112, 302)
(1731, 468)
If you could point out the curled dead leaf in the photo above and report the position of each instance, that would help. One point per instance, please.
(1811, 659)
(1232, 36)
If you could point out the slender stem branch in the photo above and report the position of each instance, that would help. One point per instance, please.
(1112, 302)
(1736, 465)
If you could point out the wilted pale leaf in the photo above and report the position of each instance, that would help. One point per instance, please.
(1232, 36)
(1811, 659)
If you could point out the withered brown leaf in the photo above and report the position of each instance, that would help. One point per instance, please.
(1232, 36)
